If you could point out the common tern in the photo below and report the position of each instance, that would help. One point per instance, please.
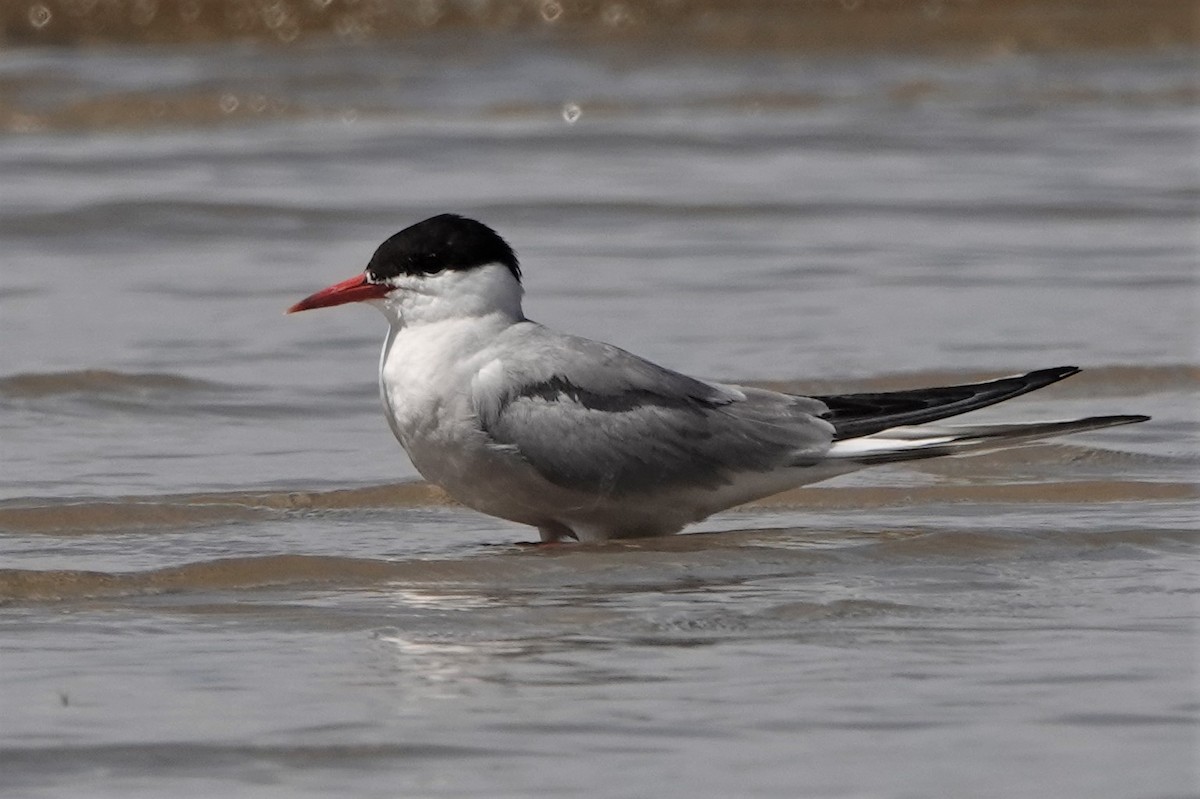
(586, 441)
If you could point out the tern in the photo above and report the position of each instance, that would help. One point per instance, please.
(586, 441)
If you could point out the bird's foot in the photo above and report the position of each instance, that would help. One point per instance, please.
(555, 533)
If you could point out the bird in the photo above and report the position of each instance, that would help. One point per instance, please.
(588, 442)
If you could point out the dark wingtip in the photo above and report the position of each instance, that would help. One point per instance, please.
(1132, 418)
(856, 415)
(1054, 373)
(1040, 378)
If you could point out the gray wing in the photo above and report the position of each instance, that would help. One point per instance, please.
(594, 417)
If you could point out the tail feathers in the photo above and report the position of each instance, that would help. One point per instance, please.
(855, 415)
(931, 441)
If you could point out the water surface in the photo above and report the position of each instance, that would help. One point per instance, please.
(219, 575)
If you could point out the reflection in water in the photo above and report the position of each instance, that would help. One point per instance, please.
(444, 669)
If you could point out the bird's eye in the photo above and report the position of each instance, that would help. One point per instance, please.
(433, 263)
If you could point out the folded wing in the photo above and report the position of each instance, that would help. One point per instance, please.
(622, 425)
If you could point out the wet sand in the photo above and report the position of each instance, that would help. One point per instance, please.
(978, 27)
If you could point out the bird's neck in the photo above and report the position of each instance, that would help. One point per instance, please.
(428, 363)
(441, 324)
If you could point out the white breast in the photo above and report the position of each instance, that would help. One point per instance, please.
(425, 379)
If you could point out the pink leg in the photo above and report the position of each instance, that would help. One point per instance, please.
(555, 533)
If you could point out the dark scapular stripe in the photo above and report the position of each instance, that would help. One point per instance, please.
(627, 400)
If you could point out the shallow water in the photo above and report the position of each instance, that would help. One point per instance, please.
(216, 578)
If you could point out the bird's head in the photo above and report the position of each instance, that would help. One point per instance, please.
(446, 266)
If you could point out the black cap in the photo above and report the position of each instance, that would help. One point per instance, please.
(442, 242)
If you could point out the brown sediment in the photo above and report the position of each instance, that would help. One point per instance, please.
(215, 575)
(658, 564)
(194, 510)
(136, 110)
(384, 496)
(154, 108)
(134, 514)
(106, 517)
(95, 381)
(506, 566)
(961, 26)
